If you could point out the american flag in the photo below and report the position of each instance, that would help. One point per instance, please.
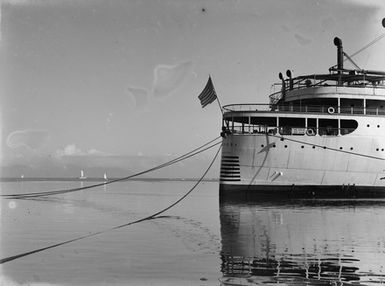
(208, 95)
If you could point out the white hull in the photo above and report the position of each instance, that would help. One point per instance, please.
(356, 159)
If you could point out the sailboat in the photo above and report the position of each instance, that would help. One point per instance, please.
(82, 177)
(105, 177)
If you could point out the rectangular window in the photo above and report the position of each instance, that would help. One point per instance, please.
(263, 124)
(328, 127)
(292, 126)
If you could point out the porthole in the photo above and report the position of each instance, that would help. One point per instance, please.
(274, 146)
(313, 147)
(351, 148)
(341, 148)
(324, 147)
(368, 125)
(302, 146)
(382, 149)
(377, 149)
(262, 145)
(285, 146)
(378, 126)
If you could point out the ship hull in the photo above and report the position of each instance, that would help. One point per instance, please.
(302, 166)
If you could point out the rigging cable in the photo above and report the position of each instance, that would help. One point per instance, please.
(192, 153)
(367, 45)
(150, 217)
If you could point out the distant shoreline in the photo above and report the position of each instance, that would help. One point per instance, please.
(13, 179)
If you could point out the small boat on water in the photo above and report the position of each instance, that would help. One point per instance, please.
(105, 177)
(321, 135)
(82, 176)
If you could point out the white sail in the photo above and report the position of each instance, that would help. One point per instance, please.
(82, 175)
(105, 176)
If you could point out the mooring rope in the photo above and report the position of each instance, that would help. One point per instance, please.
(327, 148)
(150, 217)
(187, 155)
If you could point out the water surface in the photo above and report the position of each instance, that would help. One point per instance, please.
(201, 241)
(303, 242)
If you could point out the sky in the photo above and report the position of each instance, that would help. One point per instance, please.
(100, 78)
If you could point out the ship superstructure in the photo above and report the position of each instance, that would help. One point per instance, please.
(320, 134)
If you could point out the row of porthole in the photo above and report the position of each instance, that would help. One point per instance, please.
(324, 147)
(302, 146)
(378, 126)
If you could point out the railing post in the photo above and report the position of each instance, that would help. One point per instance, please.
(339, 127)
(339, 105)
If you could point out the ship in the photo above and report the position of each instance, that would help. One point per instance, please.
(320, 135)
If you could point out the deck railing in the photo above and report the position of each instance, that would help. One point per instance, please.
(320, 81)
(330, 109)
(288, 130)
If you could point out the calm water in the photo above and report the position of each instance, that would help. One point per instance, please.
(201, 241)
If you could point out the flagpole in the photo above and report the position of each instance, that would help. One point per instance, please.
(220, 106)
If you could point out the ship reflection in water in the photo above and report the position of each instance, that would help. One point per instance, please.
(302, 242)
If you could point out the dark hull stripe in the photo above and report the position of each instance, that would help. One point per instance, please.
(300, 191)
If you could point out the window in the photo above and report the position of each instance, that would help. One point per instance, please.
(292, 126)
(263, 124)
(246, 124)
(328, 127)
